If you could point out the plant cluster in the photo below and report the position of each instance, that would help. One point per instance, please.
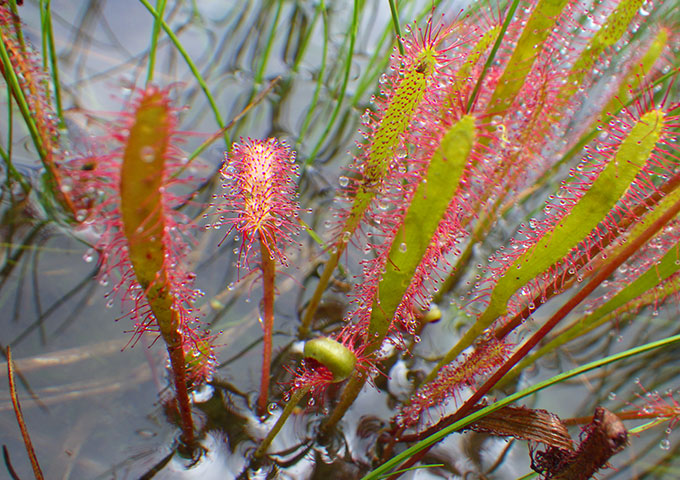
(519, 171)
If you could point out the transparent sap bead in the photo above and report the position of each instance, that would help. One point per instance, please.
(272, 408)
(147, 154)
(665, 444)
(89, 255)
(66, 185)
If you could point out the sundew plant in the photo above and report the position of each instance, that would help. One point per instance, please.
(287, 239)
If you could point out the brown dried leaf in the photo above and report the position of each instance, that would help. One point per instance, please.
(526, 424)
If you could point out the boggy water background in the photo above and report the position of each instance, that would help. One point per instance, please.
(95, 411)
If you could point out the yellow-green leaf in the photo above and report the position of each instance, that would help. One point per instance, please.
(427, 209)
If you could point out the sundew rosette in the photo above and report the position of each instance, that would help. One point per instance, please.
(260, 202)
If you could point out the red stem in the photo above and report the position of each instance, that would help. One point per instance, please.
(268, 275)
(37, 472)
(178, 363)
(602, 275)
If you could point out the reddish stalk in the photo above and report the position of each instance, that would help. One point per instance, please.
(20, 418)
(178, 363)
(602, 275)
(624, 415)
(268, 265)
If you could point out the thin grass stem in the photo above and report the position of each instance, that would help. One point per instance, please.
(319, 81)
(345, 80)
(395, 23)
(289, 408)
(492, 54)
(160, 8)
(192, 66)
(51, 57)
(259, 74)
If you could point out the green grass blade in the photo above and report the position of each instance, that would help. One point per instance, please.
(530, 43)
(397, 28)
(190, 63)
(160, 8)
(50, 55)
(343, 88)
(322, 72)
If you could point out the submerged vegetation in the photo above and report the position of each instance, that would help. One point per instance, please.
(509, 211)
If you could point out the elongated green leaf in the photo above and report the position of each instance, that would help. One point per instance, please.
(427, 209)
(616, 25)
(529, 45)
(386, 140)
(630, 83)
(642, 291)
(142, 206)
(392, 127)
(635, 75)
(591, 209)
(462, 76)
